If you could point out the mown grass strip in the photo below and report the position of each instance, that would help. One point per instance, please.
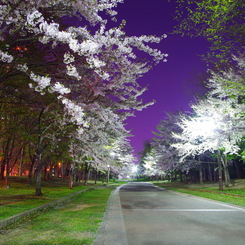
(31, 212)
(12, 204)
(75, 223)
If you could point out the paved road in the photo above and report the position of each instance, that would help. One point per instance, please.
(143, 214)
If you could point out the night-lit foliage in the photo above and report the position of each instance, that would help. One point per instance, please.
(215, 126)
(76, 71)
(222, 23)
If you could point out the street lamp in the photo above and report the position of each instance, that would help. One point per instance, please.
(134, 171)
(203, 126)
(108, 173)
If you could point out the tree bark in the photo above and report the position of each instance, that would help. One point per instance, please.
(39, 176)
(210, 176)
(238, 170)
(7, 175)
(220, 171)
(21, 160)
(38, 184)
(95, 176)
(86, 172)
(226, 171)
(201, 174)
(71, 176)
(2, 169)
(39, 157)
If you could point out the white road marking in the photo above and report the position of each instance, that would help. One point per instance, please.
(182, 210)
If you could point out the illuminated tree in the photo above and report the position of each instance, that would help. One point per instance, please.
(66, 49)
(150, 164)
(218, 123)
(222, 23)
(98, 52)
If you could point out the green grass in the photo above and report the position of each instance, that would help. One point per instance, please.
(211, 191)
(75, 223)
(20, 196)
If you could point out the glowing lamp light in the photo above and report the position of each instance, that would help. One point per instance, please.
(112, 154)
(203, 127)
(20, 48)
(134, 169)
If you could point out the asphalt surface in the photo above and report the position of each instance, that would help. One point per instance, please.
(143, 214)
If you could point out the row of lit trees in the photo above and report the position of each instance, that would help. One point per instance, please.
(216, 126)
(69, 88)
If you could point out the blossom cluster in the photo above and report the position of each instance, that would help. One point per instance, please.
(5, 57)
(42, 82)
(97, 75)
(219, 118)
(75, 112)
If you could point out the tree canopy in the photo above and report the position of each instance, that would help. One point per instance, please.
(221, 22)
(76, 71)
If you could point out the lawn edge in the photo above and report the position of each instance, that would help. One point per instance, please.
(17, 217)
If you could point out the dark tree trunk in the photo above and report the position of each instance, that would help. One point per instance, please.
(226, 171)
(39, 157)
(31, 171)
(181, 177)
(95, 176)
(39, 176)
(210, 176)
(220, 171)
(2, 170)
(38, 184)
(87, 166)
(7, 175)
(21, 160)
(71, 173)
(33, 160)
(238, 170)
(201, 174)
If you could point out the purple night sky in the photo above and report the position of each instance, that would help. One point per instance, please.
(172, 84)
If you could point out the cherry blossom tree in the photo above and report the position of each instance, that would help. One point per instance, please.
(220, 22)
(150, 165)
(105, 142)
(219, 119)
(91, 68)
(36, 20)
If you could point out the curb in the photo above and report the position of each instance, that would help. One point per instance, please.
(112, 229)
(13, 219)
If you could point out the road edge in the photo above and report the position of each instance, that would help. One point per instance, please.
(112, 229)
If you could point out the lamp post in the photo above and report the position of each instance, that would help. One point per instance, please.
(134, 171)
(108, 174)
(59, 169)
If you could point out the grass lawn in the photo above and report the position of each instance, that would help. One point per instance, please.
(20, 196)
(74, 223)
(234, 194)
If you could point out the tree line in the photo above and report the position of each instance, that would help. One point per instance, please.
(68, 82)
(207, 142)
